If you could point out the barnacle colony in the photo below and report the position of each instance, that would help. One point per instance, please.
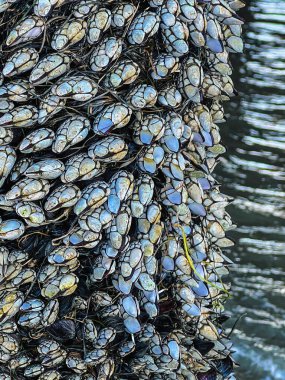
(112, 224)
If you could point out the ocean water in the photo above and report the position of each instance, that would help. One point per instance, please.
(253, 172)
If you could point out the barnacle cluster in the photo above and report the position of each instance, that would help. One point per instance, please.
(112, 224)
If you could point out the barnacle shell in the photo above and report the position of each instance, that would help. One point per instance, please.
(70, 33)
(28, 29)
(20, 62)
(98, 23)
(49, 68)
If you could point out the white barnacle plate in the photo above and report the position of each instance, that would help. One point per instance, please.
(107, 368)
(80, 88)
(197, 28)
(50, 313)
(233, 41)
(219, 62)
(108, 50)
(211, 87)
(19, 361)
(4, 5)
(121, 14)
(217, 113)
(60, 286)
(50, 168)
(143, 27)
(151, 159)
(108, 251)
(142, 195)
(96, 357)
(92, 197)
(202, 112)
(148, 129)
(29, 189)
(108, 149)
(214, 36)
(127, 348)
(82, 238)
(98, 23)
(174, 194)
(30, 320)
(50, 67)
(102, 267)
(169, 12)
(11, 229)
(34, 370)
(68, 34)
(191, 79)
(64, 196)
(19, 91)
(170, 97)
(72, 131)
(130, 311)
(119, 228)
(76, 364)
(6, 105)
(105, 337)
(188, 10)
(175, 38)
(112, 117)
(81, 167)
(173, 166)
(37, 140)
(121, 189)
(30, 28)
(44, 7)
(62, 256)
(84, 8)
(95, 220)
(149, 218)
(22, 117)
(19, 168)
(142, 96)
(32, 304)
(49, 106)
(122, 73)
(47, 272)
(10, 303)
(164, 65)
(9, 345)
(7, 161)
(5, 204)
(32, 213)
(129, 267)
(6, 135)
(21, 61)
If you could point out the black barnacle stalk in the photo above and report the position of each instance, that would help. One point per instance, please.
(112, 224)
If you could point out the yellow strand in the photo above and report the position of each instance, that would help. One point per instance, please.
(190, 261)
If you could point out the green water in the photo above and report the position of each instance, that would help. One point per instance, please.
(253, 171)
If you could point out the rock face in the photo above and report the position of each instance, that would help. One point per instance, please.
(112, 223)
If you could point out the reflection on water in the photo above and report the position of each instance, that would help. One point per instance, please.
(253, 172)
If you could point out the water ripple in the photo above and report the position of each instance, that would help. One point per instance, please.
(253, 171)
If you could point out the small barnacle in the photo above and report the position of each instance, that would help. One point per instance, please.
(144, 26)
(112, 117)
(70, 33)
(98, 23)
(20, 62)
(30, 28)
(50, 67)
